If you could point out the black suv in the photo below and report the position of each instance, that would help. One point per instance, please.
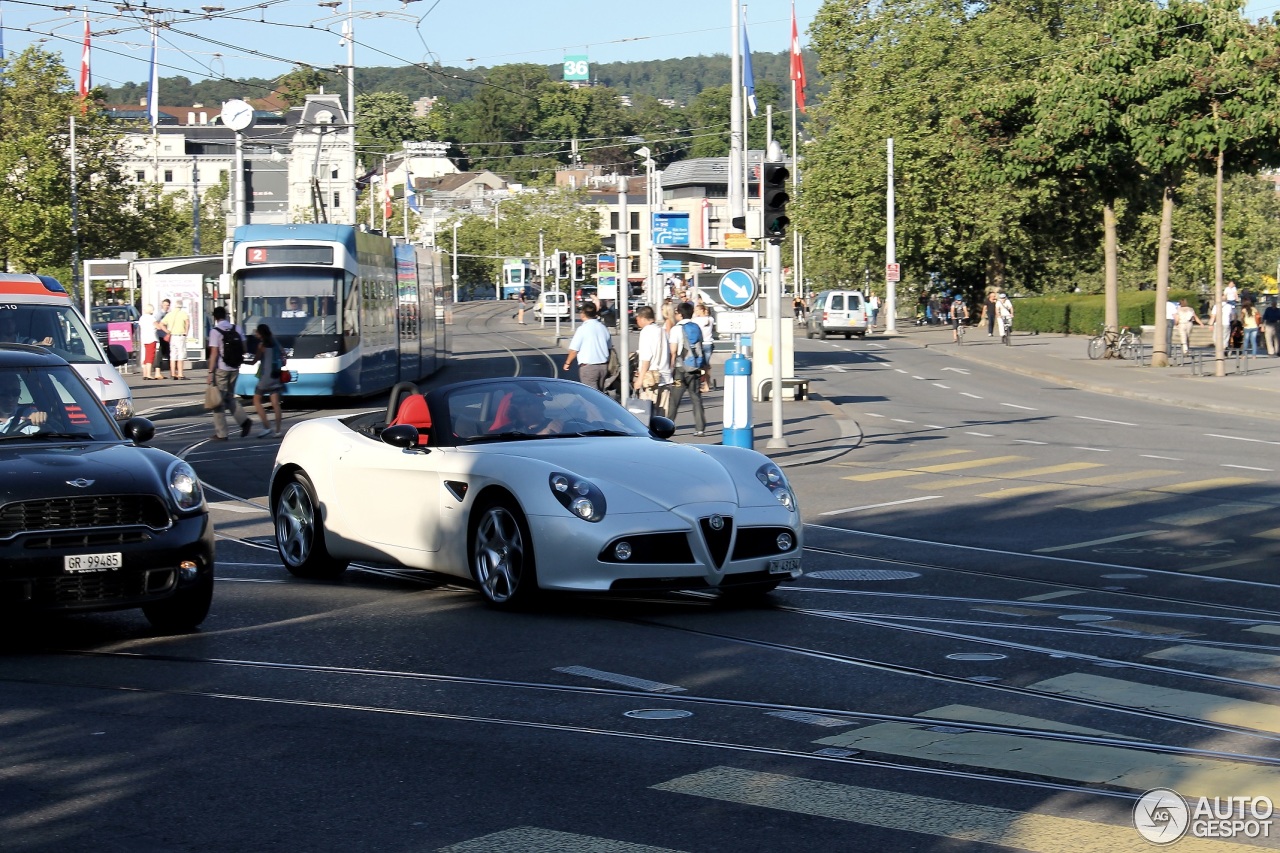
(90, 519)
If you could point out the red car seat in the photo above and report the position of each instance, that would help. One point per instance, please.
(413, 411)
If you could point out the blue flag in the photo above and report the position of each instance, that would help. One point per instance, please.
(748, 79)
(411, 197)
(153, 90)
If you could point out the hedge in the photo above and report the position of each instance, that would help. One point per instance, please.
(1079, 314)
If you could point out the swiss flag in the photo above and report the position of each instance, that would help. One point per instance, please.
(85, 83)
(797, 62)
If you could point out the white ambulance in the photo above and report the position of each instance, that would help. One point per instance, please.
(38, 310)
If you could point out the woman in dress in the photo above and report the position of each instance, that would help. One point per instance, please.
(271, 361)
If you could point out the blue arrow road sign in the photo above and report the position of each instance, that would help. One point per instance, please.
(738, 289)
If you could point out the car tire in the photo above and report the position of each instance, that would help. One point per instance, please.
(185, 609)
(300, 532)
(808, 333)
(848, 335)
(501, 553)
(822, 334)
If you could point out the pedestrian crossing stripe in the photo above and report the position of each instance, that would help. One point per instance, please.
(1071, 761)
(1166, 700)
(928, 454)
(1050, 469)
(1025, 491)
(1119, 500)
(1206, 485)
(1209, 514)
(1123, 477)
(951, 819)
(990, 717)
(941, 468)
(533, 839)
(1228, 659)
(1273, 533)
(952, 483)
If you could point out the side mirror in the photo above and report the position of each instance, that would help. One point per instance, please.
(117, 355)
(403, 436)
(138, 430)
(662, 427)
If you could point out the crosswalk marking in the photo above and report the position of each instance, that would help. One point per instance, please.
(969, 463)
(1273, 533)
(1118, 500)
(533, 839)
(940, 818)
(1265, 629)
(1122, 477)
(928, 454)
(951, 483)
(1206, 485)
(1023, 491)
(988, 716)
(882, 475)
(1228, 659)
(1209, 514)
(1050, 469)
(1167, 700)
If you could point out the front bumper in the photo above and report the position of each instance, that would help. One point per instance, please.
(33, 578)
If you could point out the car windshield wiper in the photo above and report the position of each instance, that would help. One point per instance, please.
(601, 431)
(77, 436)
(503, 436)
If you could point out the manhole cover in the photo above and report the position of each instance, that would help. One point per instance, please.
(976, 656)
(1124, 577)
(863, 575)
(658, 714)
(1084, 617)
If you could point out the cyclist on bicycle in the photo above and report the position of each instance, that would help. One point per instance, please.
(1004, 313)
(959, 316)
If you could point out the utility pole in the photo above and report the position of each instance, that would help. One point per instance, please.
(195, 205)
(891, 257)
(624, 288)
(736, 195)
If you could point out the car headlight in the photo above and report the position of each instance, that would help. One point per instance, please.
(185, 487)
(776, 482)
(122, 408)
(581, 497)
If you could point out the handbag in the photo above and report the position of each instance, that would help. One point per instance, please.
(652, 379)
(285, 375)
(212, 397)
(613, 365)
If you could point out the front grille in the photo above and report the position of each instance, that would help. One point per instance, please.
(101, 587)
(83, 512)
(717, 540)
(651, 548)
(87, 540)
(755, 542)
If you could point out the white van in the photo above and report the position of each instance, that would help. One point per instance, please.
(38, 310)
(551, 304)
(837, 312)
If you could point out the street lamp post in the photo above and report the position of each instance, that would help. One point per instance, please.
(455, 261)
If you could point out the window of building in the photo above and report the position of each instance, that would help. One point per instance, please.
(635, 220)
(613, 220)
(333, 172)
(337, 201)
(139, 175)
(635, 241)
(168, 176)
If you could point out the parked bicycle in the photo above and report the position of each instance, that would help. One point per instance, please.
(1109, 343)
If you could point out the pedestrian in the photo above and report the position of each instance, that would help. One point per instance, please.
(684, 378)
(989, 313)
(707, 324)
(797, 308)
(959, 315)
(223, 375)
(1004, 311)
(1271, 327)
(270, 357)
(874, 302)
(162, 339)
(519, 315)
(590, 346)
(1170, 318)
(178, 322)
(1231, 296)
(1250, 320)
(147, 340)
(653, 374)
(1186, 318)
(1221, 330)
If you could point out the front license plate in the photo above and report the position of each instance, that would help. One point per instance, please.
(785, 567)
(82, 563)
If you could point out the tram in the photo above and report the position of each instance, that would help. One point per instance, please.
(354, 312)
(519, 275)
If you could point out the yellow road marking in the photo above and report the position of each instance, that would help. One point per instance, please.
(1223, 565)
(991, 717)
(1229, 659)
(1116, 501)
(1021, 491)
(882, 475)
(940, 818)
(1206, 485)
(1122, 477)
(928, 454)
(1273, 533)
(951, 483)
(1167, 700)
(968, 463)
(1051, 469)
(1049, 596)
(1209, 514)
(1265, 629)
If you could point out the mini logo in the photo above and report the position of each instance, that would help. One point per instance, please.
(81, 483)
(717, 522)
(1161, 816)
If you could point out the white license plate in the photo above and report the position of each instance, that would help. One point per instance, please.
(82, 563)
(785, 567)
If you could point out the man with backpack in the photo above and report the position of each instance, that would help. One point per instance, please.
(688, 360)
(226, 355)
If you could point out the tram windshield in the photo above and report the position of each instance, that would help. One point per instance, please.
(310, 311)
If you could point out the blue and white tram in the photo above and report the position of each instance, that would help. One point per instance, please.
(354, 312)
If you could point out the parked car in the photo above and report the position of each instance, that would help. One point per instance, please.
(100, 316)
(90, 518)
(528, 484)
(839, 312)
(552, 304)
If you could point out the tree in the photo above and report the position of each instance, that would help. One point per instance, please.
(303, 80)
(384, 120)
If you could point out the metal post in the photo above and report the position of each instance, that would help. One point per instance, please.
(195, 205)
(455, 262)
(75, 224)
(351, 105)
(624, 289)
(242, 205)
(736, 202)
(891, 257)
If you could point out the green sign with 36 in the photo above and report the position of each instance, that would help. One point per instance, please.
(576, 68)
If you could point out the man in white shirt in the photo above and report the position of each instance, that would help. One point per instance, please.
(685, 378)
(654, 354)
(590, 346)
(224, 375)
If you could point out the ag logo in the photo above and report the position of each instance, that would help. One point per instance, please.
(1161, 816)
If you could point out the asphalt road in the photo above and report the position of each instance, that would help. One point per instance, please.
(1023, 607)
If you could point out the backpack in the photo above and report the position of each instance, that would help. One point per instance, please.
(694, 356)
(232, 347)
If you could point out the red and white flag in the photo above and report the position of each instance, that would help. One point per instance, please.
(86, 82)
(386, 194)
(797, 62)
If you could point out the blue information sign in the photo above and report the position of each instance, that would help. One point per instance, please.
(738, 289)
(670, 228)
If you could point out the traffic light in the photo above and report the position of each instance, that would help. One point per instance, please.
(562, 264)
(579, 268)
(775, 202)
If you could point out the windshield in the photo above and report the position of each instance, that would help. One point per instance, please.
(300, 306)
(112, 314)
(528, 409)
(40, 403)
(58, 328)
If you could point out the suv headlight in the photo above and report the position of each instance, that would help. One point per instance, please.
(184, 487)
(776, 482)
(581, 497)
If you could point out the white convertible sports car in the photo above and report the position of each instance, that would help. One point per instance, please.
(527, 484)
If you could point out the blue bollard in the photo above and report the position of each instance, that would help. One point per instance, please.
(738, 431)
